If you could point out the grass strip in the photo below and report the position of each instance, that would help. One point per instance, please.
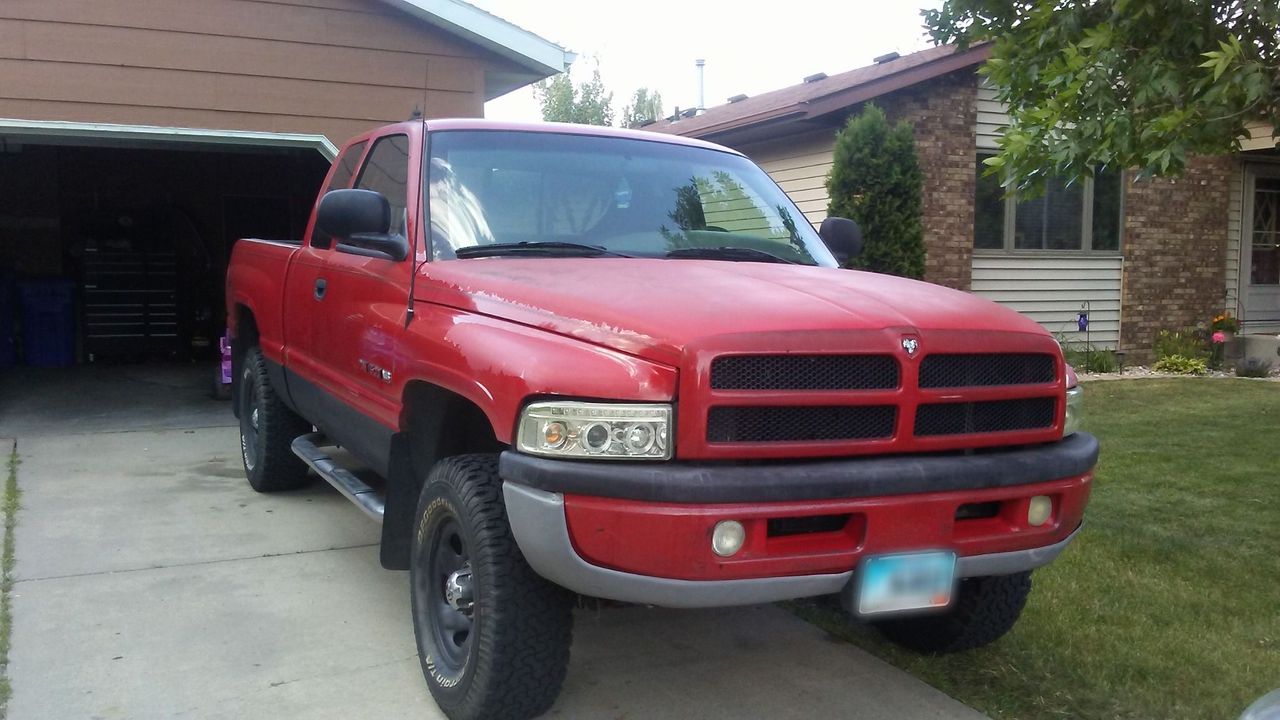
(11, 494)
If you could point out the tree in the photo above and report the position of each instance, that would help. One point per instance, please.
(875, 180)
(587, 103)
(645, 107)
(1123, 83)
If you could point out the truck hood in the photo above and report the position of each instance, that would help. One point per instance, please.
(657, 308)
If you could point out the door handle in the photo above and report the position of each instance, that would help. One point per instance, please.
(320, 288)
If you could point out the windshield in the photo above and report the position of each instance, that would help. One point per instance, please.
(623, 196)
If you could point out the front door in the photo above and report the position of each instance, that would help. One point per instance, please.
(1260, 248)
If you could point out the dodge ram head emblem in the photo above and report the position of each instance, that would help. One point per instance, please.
(910, 344)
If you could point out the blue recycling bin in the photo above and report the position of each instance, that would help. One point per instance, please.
(48, 322)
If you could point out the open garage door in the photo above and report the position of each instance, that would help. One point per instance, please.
(114, 239)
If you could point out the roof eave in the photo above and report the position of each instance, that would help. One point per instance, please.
(827, 104)
(542, 58)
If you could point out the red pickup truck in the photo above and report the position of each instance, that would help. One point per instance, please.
(565, 360)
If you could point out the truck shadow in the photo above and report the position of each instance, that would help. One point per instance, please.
(749, 662)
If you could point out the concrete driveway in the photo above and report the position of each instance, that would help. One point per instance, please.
(152, 582)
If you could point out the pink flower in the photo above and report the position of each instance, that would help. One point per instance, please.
(1219, 337)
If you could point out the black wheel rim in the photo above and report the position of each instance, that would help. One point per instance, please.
(447, 600)
(250, 423)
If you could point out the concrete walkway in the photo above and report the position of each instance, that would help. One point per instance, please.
(152, 582)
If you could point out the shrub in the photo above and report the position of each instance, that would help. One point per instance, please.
(1254, 368)
(1189, 344)
(1181, 365)
(876, 181)
(1091, 359)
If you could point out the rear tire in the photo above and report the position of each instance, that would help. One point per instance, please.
(493, 636)
(984, 610)
(267, 430)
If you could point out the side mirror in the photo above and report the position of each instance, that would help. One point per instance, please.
(360, 220)
(842, 237)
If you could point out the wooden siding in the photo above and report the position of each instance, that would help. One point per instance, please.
(333, 67)
(800, 166)
(993, 117)
(1051, 291)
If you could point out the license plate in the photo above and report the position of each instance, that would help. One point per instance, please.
(891, 583)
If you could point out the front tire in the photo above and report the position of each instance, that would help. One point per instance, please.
(267, 430)
(985, 609)
(493, 636)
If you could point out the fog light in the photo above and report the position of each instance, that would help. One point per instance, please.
(728, 537)
(1039, 510)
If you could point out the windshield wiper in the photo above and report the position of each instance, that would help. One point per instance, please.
(729, 253)
(566, 249)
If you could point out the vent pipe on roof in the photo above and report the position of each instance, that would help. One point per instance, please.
(737, 98)
(702, 71)
(815, 77)
(887, 57)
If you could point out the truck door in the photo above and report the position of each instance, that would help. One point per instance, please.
(361, 315)
(302, 294)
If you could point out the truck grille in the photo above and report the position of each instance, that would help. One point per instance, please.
(800, 423)
(878, 399)
(804, 372)
(985, 417)
(986, 370)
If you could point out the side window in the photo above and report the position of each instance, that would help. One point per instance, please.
(1069, 216)
(387, 171)
(344, 168)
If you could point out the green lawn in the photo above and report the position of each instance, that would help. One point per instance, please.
(1168, 604)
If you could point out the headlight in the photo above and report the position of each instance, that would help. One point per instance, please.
(613, 431)
(1075, 410)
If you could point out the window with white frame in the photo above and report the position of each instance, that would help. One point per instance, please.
(1070, 216)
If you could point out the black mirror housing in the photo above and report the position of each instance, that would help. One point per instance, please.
(360, 220)
(384, 245)
(346, 213)
(842, 237)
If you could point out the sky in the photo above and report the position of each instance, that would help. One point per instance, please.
(749, 47)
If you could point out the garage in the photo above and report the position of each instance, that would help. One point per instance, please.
(115, 248)
(139, 139)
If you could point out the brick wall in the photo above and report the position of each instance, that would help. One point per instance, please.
(1175, 252)
(943, 112)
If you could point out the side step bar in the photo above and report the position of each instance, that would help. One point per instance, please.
(308, 447)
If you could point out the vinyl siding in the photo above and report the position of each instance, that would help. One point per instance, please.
(800, 166)
(1051, 291)
(993, 116)
(335, 67)
(1260, 137)
(1235, 208)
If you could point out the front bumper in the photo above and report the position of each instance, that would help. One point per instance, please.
(640, 532)
(538, 522)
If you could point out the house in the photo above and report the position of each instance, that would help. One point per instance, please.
(1135, 256)
(140, 138)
